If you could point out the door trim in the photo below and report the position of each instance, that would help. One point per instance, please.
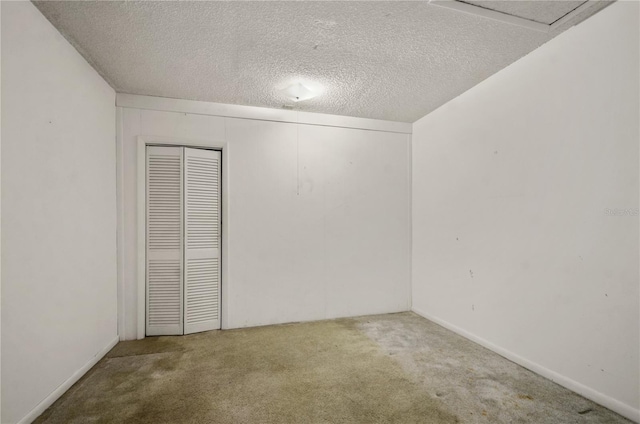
(143, 141)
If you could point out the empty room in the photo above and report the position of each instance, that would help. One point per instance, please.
(320, 212)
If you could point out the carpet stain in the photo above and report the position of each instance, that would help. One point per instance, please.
(481, 386)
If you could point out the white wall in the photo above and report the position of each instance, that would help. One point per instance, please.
(318, 223)
(512, 245)
(58, 213)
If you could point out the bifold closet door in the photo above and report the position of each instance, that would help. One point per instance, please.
(202, 240)
(164, 314)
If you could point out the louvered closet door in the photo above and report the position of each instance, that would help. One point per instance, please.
(164, 241)
(202, 240)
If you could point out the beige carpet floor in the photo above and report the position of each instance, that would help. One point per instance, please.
(397, 368)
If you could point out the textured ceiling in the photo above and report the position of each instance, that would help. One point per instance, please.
(544, 11)
(385, 60)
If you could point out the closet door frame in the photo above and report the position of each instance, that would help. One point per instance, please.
(144, 141)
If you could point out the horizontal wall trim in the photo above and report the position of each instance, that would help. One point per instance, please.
(258, 113)
(600, 398)
(61, 389)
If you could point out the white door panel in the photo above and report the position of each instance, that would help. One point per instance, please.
(202, 240)
(164, 314)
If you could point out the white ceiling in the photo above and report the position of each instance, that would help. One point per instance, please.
(391, 60)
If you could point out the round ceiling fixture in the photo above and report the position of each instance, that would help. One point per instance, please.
(299, 92)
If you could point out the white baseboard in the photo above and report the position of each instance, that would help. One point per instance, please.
(61, 389)
(602, 399)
